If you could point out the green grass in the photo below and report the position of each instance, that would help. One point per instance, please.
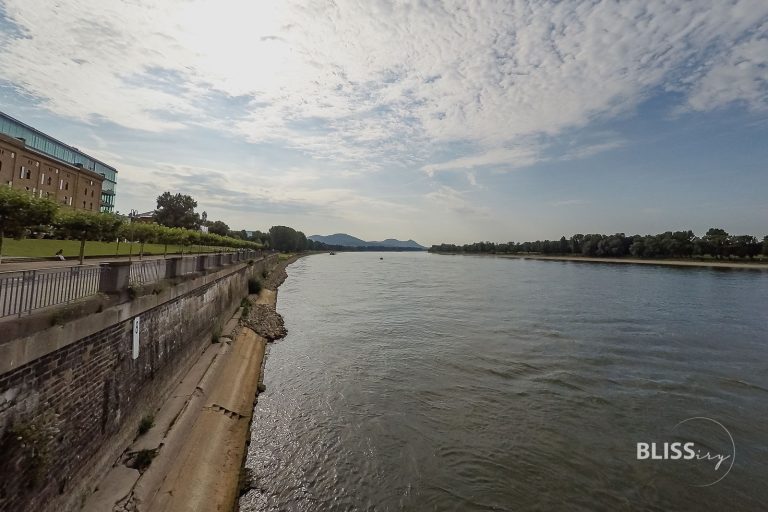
(33, 248)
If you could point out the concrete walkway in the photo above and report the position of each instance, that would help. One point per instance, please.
(199, 436)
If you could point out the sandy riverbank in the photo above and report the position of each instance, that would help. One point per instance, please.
(207, 471)
(635, 261)
(198, 442)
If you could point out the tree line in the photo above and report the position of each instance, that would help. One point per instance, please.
(22, 214)
(174, 222)
(716, 243)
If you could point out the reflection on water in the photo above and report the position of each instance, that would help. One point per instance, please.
(424, 382)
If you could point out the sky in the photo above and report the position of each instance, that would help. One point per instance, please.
(434, 121)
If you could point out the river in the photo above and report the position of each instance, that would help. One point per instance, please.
(426, 382)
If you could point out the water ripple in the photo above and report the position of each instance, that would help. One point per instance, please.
(421, 382)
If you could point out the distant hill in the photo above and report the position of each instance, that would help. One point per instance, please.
(391, 242)
(346, 240)
(339, 239)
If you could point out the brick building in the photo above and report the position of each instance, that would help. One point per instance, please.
(31, 160)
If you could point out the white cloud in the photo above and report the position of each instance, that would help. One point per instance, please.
(510, 158)
(738, 75)
(381, 84)
(588, 150)
(451, 200)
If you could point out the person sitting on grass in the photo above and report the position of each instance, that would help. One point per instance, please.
(60, 254)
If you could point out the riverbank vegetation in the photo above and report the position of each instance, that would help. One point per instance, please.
(39, 228)
(715, 243)
(23, 216)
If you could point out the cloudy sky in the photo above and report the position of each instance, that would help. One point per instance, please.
(437, 121)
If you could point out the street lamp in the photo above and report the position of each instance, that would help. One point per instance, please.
(132, 215)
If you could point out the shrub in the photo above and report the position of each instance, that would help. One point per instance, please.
(254, 285)
(147, 422)
(31, 443)
(246, 305)
(142, 459)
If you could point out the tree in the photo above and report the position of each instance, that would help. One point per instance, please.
(744, 246)
(166, 235)
(282, 238)
(177, 211)
(765, 245)
(718, 241)
(85, 226)
(287, 239)
(110, 226)
(143, 233)
(19, 211)
(219, 228)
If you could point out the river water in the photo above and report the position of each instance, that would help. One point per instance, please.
(426, 382)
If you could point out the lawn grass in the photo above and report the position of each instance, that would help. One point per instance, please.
(34, 248)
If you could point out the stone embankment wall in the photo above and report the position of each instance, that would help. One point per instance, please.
(69, 407)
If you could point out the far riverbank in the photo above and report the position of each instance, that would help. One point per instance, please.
(633, 261)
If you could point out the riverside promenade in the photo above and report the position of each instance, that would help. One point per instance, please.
(14, 264)
(31, 285)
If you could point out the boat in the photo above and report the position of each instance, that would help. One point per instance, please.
(332, 253)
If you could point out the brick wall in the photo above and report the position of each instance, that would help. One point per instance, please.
(66, 417)
(48, 178)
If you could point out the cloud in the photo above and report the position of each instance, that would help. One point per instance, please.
(739, 75)
(570, 202)
(588, 150)
(509, 158)
(381, 85)
(453, 200)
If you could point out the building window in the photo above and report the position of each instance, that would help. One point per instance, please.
(70, 201)
(42, 178)
(49, 180)
(91, 206)
(29, 174)
(91, 193)
(66, 186)
(61, 184)
(83, 205)
(65, 200)
(21, 173)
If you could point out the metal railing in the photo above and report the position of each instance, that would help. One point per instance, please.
(145, 272)
(28, 290)
(24, 292)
